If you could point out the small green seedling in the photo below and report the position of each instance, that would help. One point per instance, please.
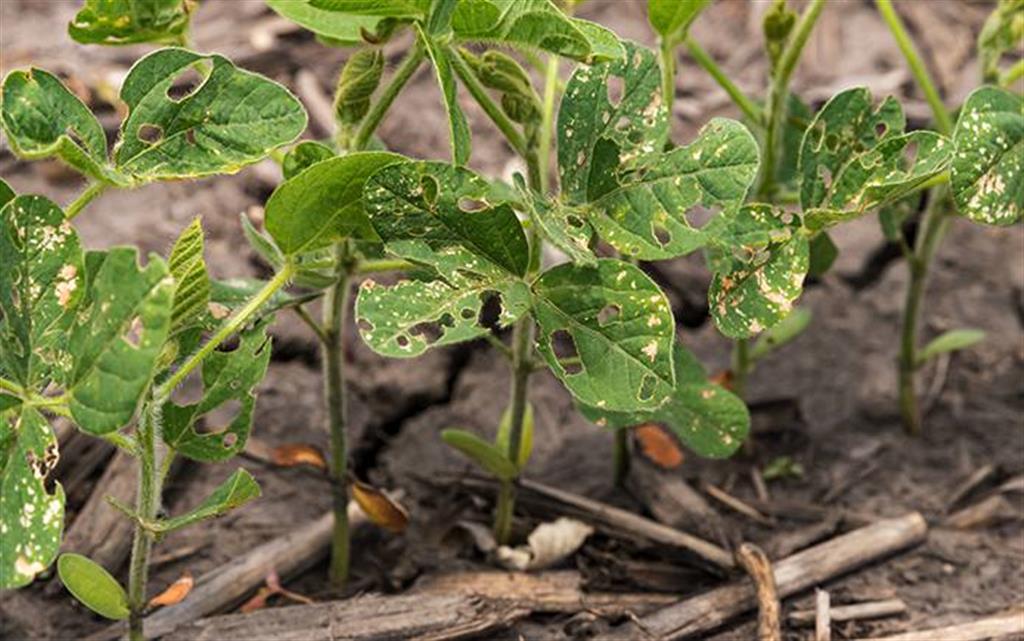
(98, 338)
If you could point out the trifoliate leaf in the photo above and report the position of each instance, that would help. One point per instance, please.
(31, 517)
(709, 419)
(120, 330)
(987, 176)
(237, 490)
(228, 377)
(124, 22)
(619, 324)
(458, 126)
(191, 282)
(41, 283)
(93, 586)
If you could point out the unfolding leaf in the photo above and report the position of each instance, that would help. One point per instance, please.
(342, 29)
(987, 176)
(525, 439)
(237, 490)
(40, 285)
(380, 508)
(93, 586)
(621, 326)
(484, 454)
(291, 454)
(458, 126)
(950, 341)
(672, 18)
(324, 203)
(304, 155)
(123, 22)
(175, 592)
(261, 242)
(228, 377)
(191, 282)
(548, 544)
(31, 516)
(42, 118)
(658, 446)
(709, 419)
(119, 332)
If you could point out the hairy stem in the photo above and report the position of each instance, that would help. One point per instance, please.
(334, 313)
(405, 70)
(491, 108)
(746, 105)
(147, 504)
(76, 206)
(522, 341)
(621, 455)
(741, 366)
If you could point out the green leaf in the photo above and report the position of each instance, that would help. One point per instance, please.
(40, 285)
(564, 226)
(304, 155)
(342, 29)
(236, 491)
(357, 81)
(484, 454)
(382, 8)
(621, 327)
(777, 26)
(232, 119)
(987, 176)
(324, 203)
(93, 586)
(1001, 33)
(263, 244)
(823, 254)
(31, 517)
(228, 377)
(458, 127)
(7, 402)
(120, 330)
(42, 118)
(672, 18)
(191, 282)
(6, 193)
(786, 330)
(709, 419)
(124, 22)
(950, 341)
(234, 293)
(525, 440)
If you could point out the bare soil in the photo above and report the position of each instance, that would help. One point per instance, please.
(837, 379)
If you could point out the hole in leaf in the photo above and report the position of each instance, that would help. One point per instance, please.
(647, 385)
(364, 325)
(635, 136)
(826, 176)
(608, 314)
(217, 420)
(190, 391)
(662, 235)
(229, 440)
(832, 142)
(185, 84)
(75, 138)
(574, 221)
(698, 216)
(490, 310)
(470, 205)
(430, 189)
(467, 313)
(134, 334)
(402, 340)
(190, 136)
(909, 156)
(150, 134)
(622, 124)
(880, 130)
(230, 344)
(564, 348)
(429, 331)
(616, 90)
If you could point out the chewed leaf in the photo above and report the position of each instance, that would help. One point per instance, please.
(41, 283)
(31, 517)
(458, 126)
(709, 419)
(324, 203)
(342, 29)
(227, 377)
(644, 212)
(42, 118)
(237, 490)
(231, 119)
(988, 172)
(564, 226)
(598, 132)
(446, 217)
(123, 22)
(191, 282)
(621, 327)
(93, 586)
(406, 319)
(119, 332)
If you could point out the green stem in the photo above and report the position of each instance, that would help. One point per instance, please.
(741, 366)
(334, 313)
(746, 105)
(376, 266)
(11, 387)
(621, 455)
(522, 341)
(76, 206)
(491, 108)
(405, 70)
(667, 58)
(547, 122)
(943, 121)
(778, 92)
(226, 330)
(1012, 75)
(147, 504)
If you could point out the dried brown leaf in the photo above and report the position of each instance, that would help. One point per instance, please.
(176, 592)
(658, 446)
(291, 454)
(380, 508)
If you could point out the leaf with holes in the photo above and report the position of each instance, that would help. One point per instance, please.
(621, 327)
(40, 285)
(120, 330)
(987, 176)
(42, 118)
(324, 203)
(93, 586)
(31, 517)
(564, 226)
(230, 120)
(191, 282)
(672, 18)
(458, 127)
(229, 378)
(709, 419)
(124, 22)
(237, 490)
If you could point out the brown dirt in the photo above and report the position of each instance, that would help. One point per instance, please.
(840, 372)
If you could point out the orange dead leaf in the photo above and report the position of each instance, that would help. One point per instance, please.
(379, 507)
(723, 378)
(175, 593)
(291, 454)
(658, 446)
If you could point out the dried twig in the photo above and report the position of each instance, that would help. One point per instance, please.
(995, 627)
(735, 504)
(994, 509)
(854, 612)
(822, 616)
(769, 613)
(976, 478)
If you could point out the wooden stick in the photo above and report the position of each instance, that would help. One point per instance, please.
(854, 612)
(787, 543)
(769, 613)
(735, 504)
(979, 476)
(994, 509)
(822, 616)
(813, 566)
(758, 482)
(996, 627)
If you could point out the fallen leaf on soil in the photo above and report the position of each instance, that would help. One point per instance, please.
(380, 508)
(658, 446)
(272, 587)
(291, 454)
(176, 593)
(548, 544)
